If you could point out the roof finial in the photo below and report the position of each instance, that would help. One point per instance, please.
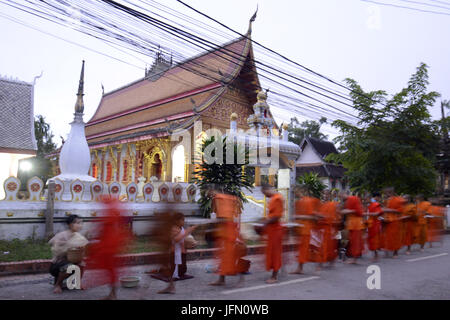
(79, 105)
(252, 19)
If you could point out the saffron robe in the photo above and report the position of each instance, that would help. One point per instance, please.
(354, 225)
(274, 232)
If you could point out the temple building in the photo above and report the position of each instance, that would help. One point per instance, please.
(129, 135)
(17, 140)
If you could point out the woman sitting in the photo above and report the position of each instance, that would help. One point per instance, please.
(61, 243)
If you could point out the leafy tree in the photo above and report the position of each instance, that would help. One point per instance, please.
(309, 128)
(392, 145)
(229, 177)
(44, 136)
(312, 183)
(40, 166)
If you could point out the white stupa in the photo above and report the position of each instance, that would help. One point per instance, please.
(75, 159)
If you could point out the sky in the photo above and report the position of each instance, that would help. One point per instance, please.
(379, 46)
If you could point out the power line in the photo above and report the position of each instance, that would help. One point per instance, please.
(405, 7)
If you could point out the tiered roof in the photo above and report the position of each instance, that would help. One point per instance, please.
(152, 106)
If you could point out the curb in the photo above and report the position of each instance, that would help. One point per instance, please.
(42, 266)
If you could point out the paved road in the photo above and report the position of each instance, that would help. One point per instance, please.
(421, 275)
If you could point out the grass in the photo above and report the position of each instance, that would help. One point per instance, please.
(20, 250)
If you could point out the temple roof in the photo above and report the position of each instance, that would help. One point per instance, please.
(181, 91)
(17, 117)
(321, 147)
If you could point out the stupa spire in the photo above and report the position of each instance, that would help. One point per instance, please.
(79, 105)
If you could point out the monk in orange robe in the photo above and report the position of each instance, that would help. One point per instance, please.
(435, 224)
(423, 209)
(328, 224)
(306, 209)
(408, 224)
(274, 231)
(354, 224)
(226, 207)
(392, 215)
(374, 225)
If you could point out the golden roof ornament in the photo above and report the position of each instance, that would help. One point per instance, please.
(285, 126)
(79, 105)
(233, 116)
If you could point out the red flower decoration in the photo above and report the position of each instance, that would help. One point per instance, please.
(164, 190)
(177, 191)
(11, 186)
(115, 189)
(77, 188)
(35, 187)
(148, 190)
(97, 188)
(132, 190)
(58, 188)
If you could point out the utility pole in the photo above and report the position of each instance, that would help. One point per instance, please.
(49, 232)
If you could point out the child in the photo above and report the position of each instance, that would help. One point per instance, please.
(61, 243)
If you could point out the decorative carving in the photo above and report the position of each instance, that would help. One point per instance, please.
(11, 186)
(35, 186)
(223, 108)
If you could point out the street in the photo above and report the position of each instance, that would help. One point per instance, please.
(421, 275)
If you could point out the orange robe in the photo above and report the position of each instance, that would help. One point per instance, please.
(410, 211)
(305, 206)
(374, 227)
(328, 250)
(423, 208)
(354, 224)
(435, 225)
(274, 233)
(392, 230)
(226, 207)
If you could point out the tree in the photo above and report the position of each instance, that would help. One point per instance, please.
(392, 145)
(309, 128)
(40, 166)
(230, 177)
(44, 136)
(312, 183)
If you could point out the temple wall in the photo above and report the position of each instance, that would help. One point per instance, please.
(23, 219)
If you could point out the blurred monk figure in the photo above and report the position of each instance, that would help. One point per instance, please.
(328, 223)
(112, 238)
(409, 222)
(227, 207)
(306, 210)
(353, 210)
(374, 225)
(392, 215)
(274, 231)
(423, 210)
(435, 225)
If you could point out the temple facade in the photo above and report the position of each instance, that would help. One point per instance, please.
(130, 136)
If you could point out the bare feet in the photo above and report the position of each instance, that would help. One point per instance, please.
(351, 261)
(297, 271)
(271, 281)
(168, 290)
(408, 252)
(57, 290)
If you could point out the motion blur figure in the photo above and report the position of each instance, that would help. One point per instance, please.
(113, 236)
(423, 209)
(274, 231)
(231, 247)
(393, 222)
(375, 210)
(354, 224)
(306, 209)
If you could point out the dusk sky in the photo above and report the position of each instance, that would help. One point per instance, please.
(379, 46)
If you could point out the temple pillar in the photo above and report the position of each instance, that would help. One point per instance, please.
(257, 177)
(119, 162)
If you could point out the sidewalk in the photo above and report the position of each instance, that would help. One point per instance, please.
(42, 266)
